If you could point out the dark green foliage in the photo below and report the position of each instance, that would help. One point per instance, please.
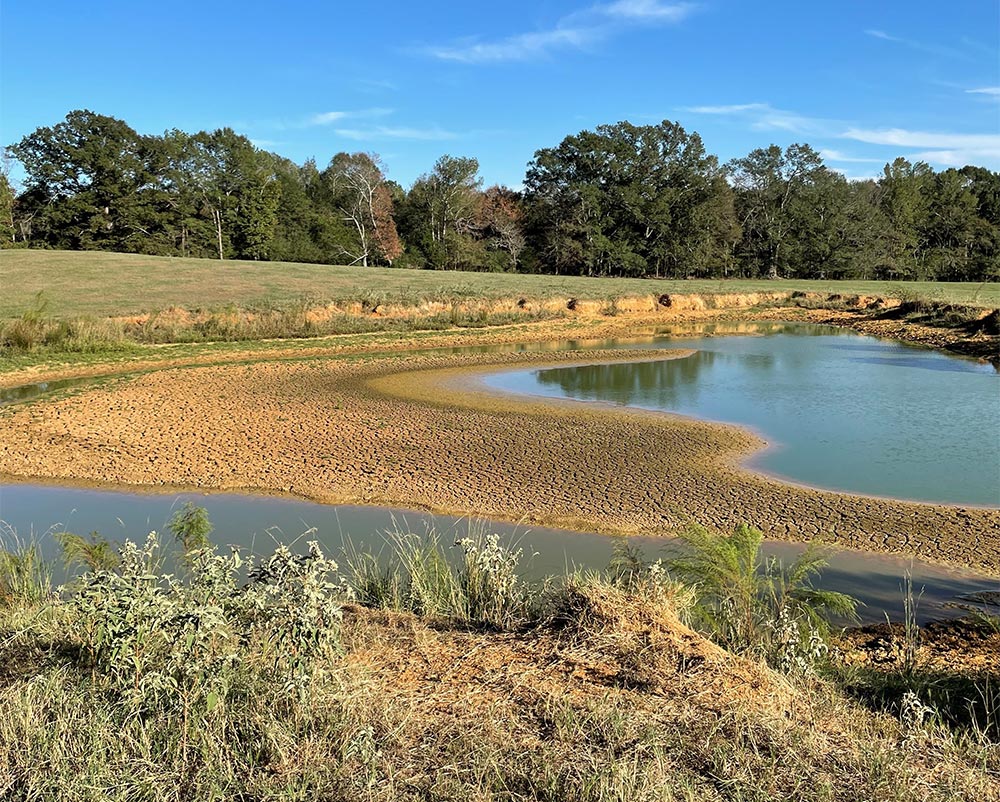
(8, 233)
(621, 200)
(94, 553)
(631, 200)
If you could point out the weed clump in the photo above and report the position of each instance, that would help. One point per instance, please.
(755, 606)
(480, 585)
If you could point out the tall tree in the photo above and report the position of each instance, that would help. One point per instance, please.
(769, 182)
(88, 178)
(631, 200)
(904, 202)
(358, 189)
(235, 185)
(951, 228)
(8, 231)
(499, 222)
(438, 217)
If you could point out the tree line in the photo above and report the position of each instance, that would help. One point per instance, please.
(621, 200)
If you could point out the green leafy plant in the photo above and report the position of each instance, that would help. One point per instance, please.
(191, 528)
(481, 585)
(93, 553)
(186, 644)
(24, 575)
(752, 604)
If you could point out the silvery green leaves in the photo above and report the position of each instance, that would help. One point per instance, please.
(169, 642)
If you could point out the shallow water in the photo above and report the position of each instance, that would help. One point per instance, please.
(257, 523)
(838, 410)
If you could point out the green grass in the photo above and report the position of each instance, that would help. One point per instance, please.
(105, 284)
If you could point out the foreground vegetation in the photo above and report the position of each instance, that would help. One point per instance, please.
(438, 673)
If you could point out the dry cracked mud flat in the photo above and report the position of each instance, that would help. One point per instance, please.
(413, 431)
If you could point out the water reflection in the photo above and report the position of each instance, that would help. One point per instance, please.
(845, 412)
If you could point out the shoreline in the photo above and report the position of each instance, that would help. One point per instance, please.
(592, 327)
(382, 431)
(478, 384)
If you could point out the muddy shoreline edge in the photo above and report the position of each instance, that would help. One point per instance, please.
(695, 458)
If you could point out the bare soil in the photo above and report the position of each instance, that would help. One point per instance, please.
(406, 430)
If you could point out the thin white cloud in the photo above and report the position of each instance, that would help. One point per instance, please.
(882, 35)
(575, 31)
(939, 148)
(330, 117)
(947, 149)
(735, 108)
(923, 47)
(831, 155)
(984, 157)
(647, 10)
(765, 117)
(376, 85)
(990, 94)
(389, 132)
(901, 137)
(523, 47)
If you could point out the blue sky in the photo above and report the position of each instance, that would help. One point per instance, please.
(861, 81)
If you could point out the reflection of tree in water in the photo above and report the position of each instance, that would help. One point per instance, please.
(665, 384)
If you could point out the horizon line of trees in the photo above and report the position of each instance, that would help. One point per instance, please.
(621, 200)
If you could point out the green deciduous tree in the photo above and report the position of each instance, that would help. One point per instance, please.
(87, 180)
(438, 217)
(769, 183)
(630, 200)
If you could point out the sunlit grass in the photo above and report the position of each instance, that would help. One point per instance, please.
(79, 283)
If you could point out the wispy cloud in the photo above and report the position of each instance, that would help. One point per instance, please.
(575, 31)
(921, 139)
(942, 148)
(765, 117)
(735, 108)
(831, 155)
(330, 117)
(984, 157)
(882, 35)
(991, 92)
(375, 85)
(931, 48)
(948, 149)
(646, 10)
(388, 132)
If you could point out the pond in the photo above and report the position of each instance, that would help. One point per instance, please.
(257, 523)
(838, 410)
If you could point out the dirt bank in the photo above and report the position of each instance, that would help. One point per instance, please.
(395, 430)
(625, 318)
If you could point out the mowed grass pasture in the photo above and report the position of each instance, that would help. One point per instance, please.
(100, 284)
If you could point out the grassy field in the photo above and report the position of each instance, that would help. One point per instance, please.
(104, 284)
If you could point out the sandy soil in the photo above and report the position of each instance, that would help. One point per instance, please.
(407, 430)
